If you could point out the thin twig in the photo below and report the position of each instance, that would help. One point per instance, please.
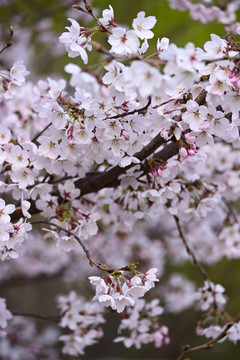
(37, 316)
(237, 58)
(34, 140)
(189, 250)
(209, 344)
(164, 103)
(230, 210)
(139, 111)
(89, 11)
(92, 262)
(9, 41)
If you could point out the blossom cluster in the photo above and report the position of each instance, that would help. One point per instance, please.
(210, 295)
(178, 293)
(82, 131)
(213, 331)
(119, 291)
(5, 314)
(83, 320)
(110, 159)
(12, 80)
(24, 341)
(142, 325)
(207, 10)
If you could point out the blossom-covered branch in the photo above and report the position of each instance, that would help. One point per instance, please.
(209, 344)
(136, 158)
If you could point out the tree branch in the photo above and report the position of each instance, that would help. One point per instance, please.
(92, 262)
(109, 178)
(9, 41)
(208, 345)
(34, 140)
(95, 181)
(139, 111)
(189, 250)
(37, 316)
(224, 58)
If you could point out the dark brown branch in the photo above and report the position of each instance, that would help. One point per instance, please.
(95, 181)
(110, 178)
(167, 152)
(37, 316)
(201, 98)
(237, 58)
(139, 111)
(34, 140)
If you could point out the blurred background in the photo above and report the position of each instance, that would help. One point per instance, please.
(43, 21)
(37, 26)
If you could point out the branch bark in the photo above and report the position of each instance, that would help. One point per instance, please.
(95, 181)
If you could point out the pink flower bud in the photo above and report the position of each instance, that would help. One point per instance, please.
(69, 132)
(164, 330)
(154, 172)
(189, 139)
(183, 152)
(158, 339)
(231, 74)
(199, 330)
(191, 152)
(166, 340)
(193, 147)
(125, 135)
(234, 79)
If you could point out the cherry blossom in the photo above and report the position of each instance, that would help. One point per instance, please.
(83, 320)
(75, 42)
(210, 294)
(234, 333)
(108, 16)
(5, 210)
(142, 25)
(134, 158)
(143, 326)
(110, 292)
(4, 313)
(123, 42)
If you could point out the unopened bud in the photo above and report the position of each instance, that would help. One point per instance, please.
(88, 7)
(154, 172)
(78, 7)
(11, 30)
